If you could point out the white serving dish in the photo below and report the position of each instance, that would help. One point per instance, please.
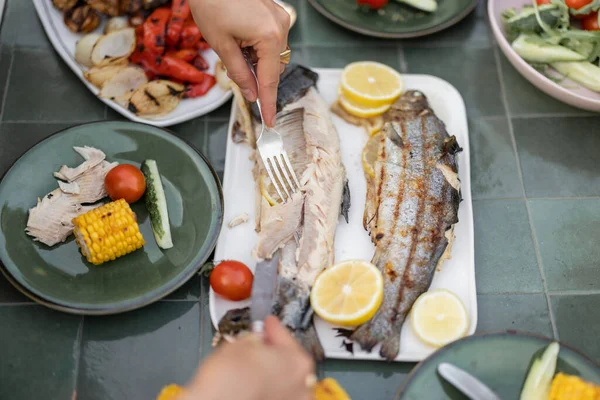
(64, 42)
(352, 241)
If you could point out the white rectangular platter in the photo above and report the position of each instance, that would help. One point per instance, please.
(64, 42)
(352, 241)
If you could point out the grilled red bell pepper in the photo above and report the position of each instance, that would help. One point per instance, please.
(200, 62)
(190, 35)
(180, 11)
(200, 89)
(155, 30)
(172, 67)
(202, 45)
(136, 56)
(187, 55)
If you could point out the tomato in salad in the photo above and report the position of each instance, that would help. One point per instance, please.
(232, 280)
(125, 181)
(541, 2)
(590, 22)
(373, 4)
(576, 5)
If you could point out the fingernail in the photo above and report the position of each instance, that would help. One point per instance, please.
(248, 94)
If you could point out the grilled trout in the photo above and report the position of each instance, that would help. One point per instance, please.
(313, 147)
(411, 208)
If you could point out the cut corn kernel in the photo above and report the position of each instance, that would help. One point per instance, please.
(108, 232)
(572, 387)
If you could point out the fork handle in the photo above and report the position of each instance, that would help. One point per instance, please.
(248, 58)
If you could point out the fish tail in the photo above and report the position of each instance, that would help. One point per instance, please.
(390, 347)
(309, 339)
(376, 331)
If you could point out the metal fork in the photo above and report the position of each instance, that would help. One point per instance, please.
(272, 153)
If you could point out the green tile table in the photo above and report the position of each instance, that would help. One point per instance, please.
(536, 191)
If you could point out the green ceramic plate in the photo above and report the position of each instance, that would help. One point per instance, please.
(395, 20)
(60, 275)
(500, 360)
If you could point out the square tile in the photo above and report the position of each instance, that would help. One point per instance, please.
(134, 355)
(473, 30)
(37, 353)
(194, 131)
(578, 322)
(524, 98)
(318, 30)
(299, 55)
(207, 331)
(17, 138)
(295, 35)
(43, 88)
(472, 70)
(8, 294)
(521, 312)
(367, 379)
(505, 259)
(559, 156)
(222, 112)
(339, 57)
(567, 233)
(217, 145)
(494, 172)
(5, 61)
(23, 27)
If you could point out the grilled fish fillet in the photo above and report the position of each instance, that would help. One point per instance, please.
(313, 147)
(50, 221)
(412, 205)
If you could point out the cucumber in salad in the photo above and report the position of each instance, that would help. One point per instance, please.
(539, 379)
(545, 36)
(423, 5)
(156, 203)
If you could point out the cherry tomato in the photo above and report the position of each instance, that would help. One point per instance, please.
(590, 23)
(373, 4)
(576, 5)
(125, 181)
(540, 2)
(232, 280)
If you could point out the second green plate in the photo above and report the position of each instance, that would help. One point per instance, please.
(395, 20)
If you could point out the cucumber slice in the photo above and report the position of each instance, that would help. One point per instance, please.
(156, 203)
(534, 49)
(424, 5)
(539, 379)
(585, 73)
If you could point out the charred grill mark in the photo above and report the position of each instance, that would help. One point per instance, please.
(152, 98)
(131, 107)
(390, 271)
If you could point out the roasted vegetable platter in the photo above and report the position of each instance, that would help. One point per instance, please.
(162, 85)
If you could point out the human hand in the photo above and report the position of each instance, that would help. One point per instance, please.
(250, 369)
(228, 26)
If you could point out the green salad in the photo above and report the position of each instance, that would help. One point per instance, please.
(562, 35)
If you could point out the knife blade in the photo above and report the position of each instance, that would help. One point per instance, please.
(466, 383)
(263, 289)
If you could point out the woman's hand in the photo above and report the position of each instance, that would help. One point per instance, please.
(231, 25)
(250, 369)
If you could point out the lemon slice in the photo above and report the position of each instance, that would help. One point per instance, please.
(374, 125)
(370, 153)
(362, 111)
(268, 190)
(348, 293)
(439, 317)
(371, 84)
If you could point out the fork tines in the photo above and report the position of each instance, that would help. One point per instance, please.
(278, 165)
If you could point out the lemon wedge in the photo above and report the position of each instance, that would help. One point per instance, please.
(348, 293)
(362, 111)
(371, 84)
(370, 153)
(268, 190)
(439, 317)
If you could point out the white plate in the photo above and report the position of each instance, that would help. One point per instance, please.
(352, 241)
(64, 42)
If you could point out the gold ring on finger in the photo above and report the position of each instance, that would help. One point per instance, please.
(286, 55)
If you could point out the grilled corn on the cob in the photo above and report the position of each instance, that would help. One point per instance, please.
(572, 387)
(170, 392)
(107, 232)
(329, 389)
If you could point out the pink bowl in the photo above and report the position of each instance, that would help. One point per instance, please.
(567, 91)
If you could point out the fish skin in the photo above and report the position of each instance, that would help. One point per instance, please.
(412, 222)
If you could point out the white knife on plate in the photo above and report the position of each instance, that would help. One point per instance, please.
(263, 289)
(472, 387)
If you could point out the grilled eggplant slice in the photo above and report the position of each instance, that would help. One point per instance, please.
(114, 47)
(156, 98)
(81, 19)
